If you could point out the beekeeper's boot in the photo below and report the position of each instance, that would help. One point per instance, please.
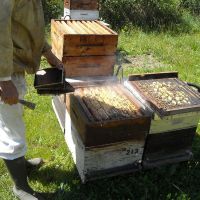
(34, 163)
(17, 170)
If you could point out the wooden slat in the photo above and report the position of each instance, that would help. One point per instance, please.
(89, 27)
(91, 40)
(99, 31)
(88, 31)
(55, 25)
(103, 30)
(83, 31)
(75, 27)
(84, 107)
(87, 50)
(57, 43)
(68, 28)
(102, 25)
(65, 28)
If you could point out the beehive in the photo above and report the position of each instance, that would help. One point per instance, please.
(176, 108)
(87, 48)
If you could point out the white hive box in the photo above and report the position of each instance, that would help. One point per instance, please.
(102, 161)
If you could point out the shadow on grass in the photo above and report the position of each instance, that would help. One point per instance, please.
(175, 181)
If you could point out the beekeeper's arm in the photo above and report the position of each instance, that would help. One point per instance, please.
(50, 56)
(8, 91)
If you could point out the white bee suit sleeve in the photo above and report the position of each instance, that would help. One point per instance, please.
(12, 129)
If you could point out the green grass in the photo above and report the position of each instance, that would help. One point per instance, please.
(45, 139)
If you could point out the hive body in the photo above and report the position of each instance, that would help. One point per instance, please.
(87, 48)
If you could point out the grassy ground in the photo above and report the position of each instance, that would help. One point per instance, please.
(45, 139)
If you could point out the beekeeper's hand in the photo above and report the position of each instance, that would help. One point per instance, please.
(8, 92)
(53, 60)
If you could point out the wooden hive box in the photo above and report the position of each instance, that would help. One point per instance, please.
(102, 122)
(81, 9)
(87, 48)
(172, 130)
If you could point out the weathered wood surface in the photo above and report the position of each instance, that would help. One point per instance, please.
(105, 160)
(81, 4)
(170, 144)
(110, 131)
(89, 66)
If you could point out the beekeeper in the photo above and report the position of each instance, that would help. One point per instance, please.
(22, 43)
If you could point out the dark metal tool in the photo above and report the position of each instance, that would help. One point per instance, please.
(28, 104)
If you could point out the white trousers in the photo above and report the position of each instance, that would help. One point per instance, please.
(12, 129)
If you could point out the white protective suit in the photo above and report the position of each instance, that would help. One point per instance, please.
(22, 42)
(12, 130)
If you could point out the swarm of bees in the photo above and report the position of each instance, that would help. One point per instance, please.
(167, 93)
(106, 103)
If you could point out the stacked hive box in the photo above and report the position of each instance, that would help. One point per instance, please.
(81, 9)
(87, 48)
(176, 109)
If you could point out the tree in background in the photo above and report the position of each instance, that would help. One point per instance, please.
(53, 9)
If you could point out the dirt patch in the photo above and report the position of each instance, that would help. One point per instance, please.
(140, 61)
